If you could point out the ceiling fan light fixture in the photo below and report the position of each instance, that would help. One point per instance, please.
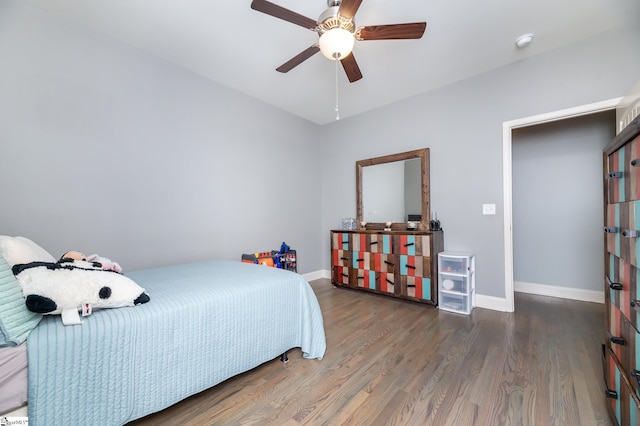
(336, 43)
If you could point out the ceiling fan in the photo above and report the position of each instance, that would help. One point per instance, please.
(338, 32)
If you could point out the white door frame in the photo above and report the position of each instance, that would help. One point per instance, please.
(507, 184)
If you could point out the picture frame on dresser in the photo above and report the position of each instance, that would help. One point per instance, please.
(621, 349)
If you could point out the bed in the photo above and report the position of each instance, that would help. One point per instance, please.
(206, 322)
(13, 378)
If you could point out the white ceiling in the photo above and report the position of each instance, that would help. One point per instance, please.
(236, 46)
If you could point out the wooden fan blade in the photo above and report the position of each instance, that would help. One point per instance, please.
(351, 68)
(282, 13)
(392, 32)
(348, 8)
(298, 59)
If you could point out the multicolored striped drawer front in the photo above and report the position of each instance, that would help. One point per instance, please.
(623, 282)
(612, 229)
(340, 257)
(414, 276)
(387, 283)
(385, 263)
(366, 279)
(414, 245)
(418, 287)
(340, 240)
(622, 231)
(340, 275)
(624, 342)
(358, 242)
(373, 243)
(622, 402)
(624, 173)
(415, 266)
(380, 243)
(363, 260)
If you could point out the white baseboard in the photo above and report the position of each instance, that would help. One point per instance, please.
(491, 302)
(316, 275)
(561, 292)
(500, 303)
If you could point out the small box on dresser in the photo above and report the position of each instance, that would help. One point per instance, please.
(456, 278)
(621, 350)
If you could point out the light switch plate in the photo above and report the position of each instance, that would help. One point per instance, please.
(488, 209)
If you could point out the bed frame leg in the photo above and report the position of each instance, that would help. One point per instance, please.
(284, 357)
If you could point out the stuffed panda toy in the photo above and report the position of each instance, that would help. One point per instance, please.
(73, 284)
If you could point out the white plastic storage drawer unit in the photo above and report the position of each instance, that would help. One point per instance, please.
(456, 291)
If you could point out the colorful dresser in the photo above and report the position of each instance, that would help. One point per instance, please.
(621, 351)
(400, 264)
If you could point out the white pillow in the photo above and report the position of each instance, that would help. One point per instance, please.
(16, 250)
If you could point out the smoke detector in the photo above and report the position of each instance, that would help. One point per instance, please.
(524, 40)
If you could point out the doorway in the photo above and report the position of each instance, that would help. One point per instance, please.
(507, 179)
(557, 206)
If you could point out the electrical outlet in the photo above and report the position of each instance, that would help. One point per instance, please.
(488, 209)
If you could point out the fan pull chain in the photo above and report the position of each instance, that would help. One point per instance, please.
(337, 106)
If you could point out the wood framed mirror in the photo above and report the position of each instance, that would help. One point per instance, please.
(394, 188)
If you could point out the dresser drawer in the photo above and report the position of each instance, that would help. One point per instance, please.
(363, 260)
(371, 268)
(413, 245)
(622, 230)
(624, 342)
(340, 260)
(621, 401)
(417, 287)
(387, 284)
(623, 280)
(340, 275)
(340, 241)
(612, 228)
(623, 175)
(414, 278)
(372, 243)
(380, 282)
(414, 266)
(341, 257)
(366, 278)
(373, 261)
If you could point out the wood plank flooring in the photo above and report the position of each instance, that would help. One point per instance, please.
(391, 362)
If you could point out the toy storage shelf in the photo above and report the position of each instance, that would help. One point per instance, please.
(284, 260)
(289, 260)
(456, 290)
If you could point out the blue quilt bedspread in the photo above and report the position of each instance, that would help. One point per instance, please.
(206, 322)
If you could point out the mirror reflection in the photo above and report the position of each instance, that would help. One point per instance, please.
(394, 188)
(392, 191)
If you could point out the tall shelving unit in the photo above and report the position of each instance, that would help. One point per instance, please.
(456, 278)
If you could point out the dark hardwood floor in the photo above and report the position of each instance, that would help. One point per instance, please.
(392, 362)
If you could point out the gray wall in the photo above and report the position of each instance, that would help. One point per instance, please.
(462, 125)
(107, 150)
(557, 201)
